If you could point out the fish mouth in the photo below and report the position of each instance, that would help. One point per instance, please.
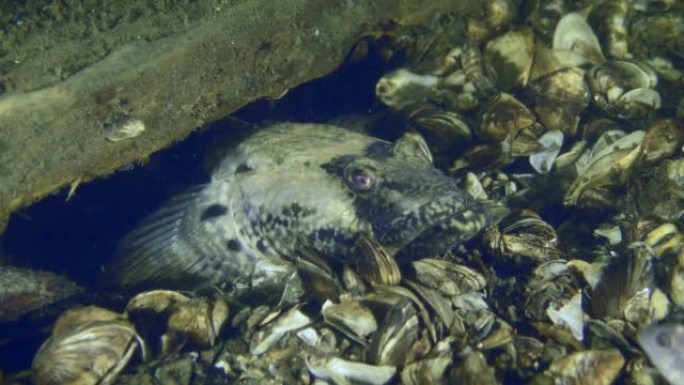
(444, 233)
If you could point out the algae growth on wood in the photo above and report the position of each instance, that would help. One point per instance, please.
(173, 79)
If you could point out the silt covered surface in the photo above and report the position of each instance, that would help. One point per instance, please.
(69, 70)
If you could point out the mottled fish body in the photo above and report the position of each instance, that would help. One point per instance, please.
(664, 346)
(294, 185)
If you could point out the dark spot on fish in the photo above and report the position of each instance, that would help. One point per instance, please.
(379, 151)
(663, 339)
(326, 233)
(276, 222)
(327, 236)
(334, 241)
(213, 211)
(242, 167)
(233, 245)
(291, 211)
(296, 211)
(261, 246)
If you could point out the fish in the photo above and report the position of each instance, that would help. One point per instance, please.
(664, 346)
(292, 187)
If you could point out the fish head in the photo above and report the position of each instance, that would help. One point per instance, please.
(409, 206)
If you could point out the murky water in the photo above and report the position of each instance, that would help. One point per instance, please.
(581, 257)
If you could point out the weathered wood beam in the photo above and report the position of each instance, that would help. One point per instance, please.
(55, 136)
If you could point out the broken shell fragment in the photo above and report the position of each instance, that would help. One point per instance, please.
(124, 128)
(542, 161)
(268, 336)
(570, 315)
(344, 372)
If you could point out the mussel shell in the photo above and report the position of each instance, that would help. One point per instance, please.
(448, 277)
(503, 117)
(637, 103)
(624, 74)
(596, 367)
(397, 330)
(350, 317)
(523, 236)
(626, 277)
(446, 132)
(267, 337)
(573, 33)
(198, 321)
(511, 55)
(374, 263)
(609, 19)
(473, 369)
(427, 371)
(88, 346)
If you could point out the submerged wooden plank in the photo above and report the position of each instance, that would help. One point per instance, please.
(55, 136)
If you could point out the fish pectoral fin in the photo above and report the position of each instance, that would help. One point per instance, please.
(161, 251)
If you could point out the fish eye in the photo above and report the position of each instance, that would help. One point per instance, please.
(359, 179)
